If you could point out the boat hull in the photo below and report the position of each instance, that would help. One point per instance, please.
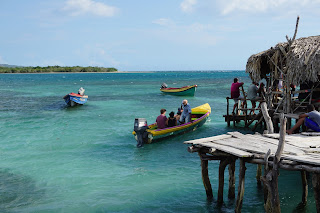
(155, 134)
(73, 99)
(182, 91)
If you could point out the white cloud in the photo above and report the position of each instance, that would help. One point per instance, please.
(163, 22)
(81, 7)
(192, 34)
(188, 5)
(255, 6)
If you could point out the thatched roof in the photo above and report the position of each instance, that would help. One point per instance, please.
(303, 61)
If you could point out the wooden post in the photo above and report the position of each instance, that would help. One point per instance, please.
(228, 118)
(259, 172)
(222, 167)
(242, 172)
(267, 118)
(304, 187)
(205, 178)
(232, 179)
(271, 178)
(316, 189)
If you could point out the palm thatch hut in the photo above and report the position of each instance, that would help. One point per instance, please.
(303, 61)
(292, 63)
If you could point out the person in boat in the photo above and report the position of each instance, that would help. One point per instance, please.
(235, 92)
(310, 119)
(178, 115)
(171, 121)
(162, 119)
(252, 96)
(186, 112)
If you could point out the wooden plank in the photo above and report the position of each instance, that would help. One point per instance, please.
(289, 115)
(228, 149)
(288, 148)
(260, 140)
(249, 146)
(208, 139)
(308, 159)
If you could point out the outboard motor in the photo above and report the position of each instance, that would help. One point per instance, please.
(140, 127)
(164, 85)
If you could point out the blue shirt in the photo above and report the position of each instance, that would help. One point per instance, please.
(315, 116)
(186, 109)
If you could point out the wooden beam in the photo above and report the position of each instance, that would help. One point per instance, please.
(242, 172)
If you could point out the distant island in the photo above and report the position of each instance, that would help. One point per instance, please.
(5, 68)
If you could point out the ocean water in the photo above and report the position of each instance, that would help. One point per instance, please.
(84, 159)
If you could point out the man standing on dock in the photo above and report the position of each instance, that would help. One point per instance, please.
(186, 112)
(235, 92)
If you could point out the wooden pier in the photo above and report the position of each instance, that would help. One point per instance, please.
(298, 152)
(284, 68)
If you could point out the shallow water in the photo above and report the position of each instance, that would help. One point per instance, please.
(84, 159)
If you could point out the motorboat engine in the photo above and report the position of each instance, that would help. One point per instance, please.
(140, 127)
(164, 85)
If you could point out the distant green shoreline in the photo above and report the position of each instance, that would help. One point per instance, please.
(56, 69)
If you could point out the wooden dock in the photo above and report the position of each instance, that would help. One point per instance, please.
(298, 152)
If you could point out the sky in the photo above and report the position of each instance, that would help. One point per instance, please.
(149, 35)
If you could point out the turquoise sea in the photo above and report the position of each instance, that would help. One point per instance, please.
(84, 159)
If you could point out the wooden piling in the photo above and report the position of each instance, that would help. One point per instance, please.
(304, 187)
(242, 172)
(232, 179)
(222, 166)
(205, 178)
(271, 178)
(259, 173)
(316, 189)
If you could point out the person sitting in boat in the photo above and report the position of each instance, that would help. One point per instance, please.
(310, 119)
(171, 121)
(162, 119)
(178, 115)
(81, 91)
(235, 92)
(186, 112)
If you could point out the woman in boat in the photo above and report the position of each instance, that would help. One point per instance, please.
(171, 121)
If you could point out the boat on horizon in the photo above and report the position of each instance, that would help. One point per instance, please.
(148, 134)
(180, 91)
(74, 99)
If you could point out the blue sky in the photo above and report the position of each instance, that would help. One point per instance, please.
(149, 35)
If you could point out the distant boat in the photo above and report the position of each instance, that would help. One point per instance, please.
(73, 99)
(148, 134)
(181, 91)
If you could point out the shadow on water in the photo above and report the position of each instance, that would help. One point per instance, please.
(17, 190)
